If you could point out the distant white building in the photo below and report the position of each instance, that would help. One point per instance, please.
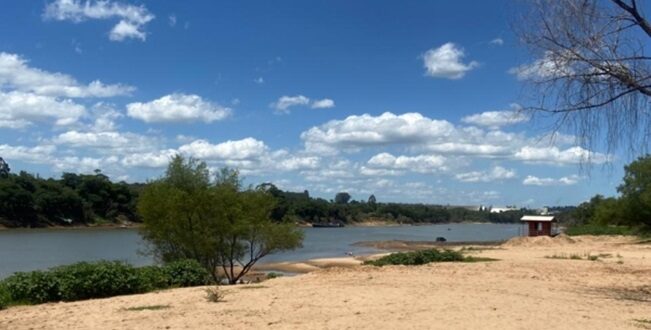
(502, 209)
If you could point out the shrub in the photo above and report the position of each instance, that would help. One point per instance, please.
(96, 280)
(86, 280)
(186, 273)
(153, 278)
(33, 287)
(417, 258)
(595, 229)
(5, 297)
(215, 294)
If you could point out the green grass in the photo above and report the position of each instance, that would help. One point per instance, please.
(592, 229)
(147, 308)
(424, 257)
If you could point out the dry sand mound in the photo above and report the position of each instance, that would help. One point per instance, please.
(539, 241)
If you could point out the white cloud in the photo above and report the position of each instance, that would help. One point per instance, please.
(445, 62)
(38, 154)
(115, 143)
(419, 164)
(156, 159)
(554, 155)
(18, 110)
(124, 30)
(496, 119)
(17, 75)
(497, 42)
(531, 180)
(177, 108)
(285, 102)
(366, 130)
(132, 19)
(247, 148)
(259, 80)
(549, 66)
(498, 173)
(323, 104)
(171, 20)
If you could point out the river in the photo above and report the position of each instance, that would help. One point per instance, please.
(31, 249)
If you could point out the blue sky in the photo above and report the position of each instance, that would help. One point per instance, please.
(411, 102)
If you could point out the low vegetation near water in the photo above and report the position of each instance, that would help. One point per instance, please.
(86, 280)
(423, 257)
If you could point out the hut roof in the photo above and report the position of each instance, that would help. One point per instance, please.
(541, 218)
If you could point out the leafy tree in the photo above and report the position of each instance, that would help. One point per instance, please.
(216, 222)
(636, 192)
(591, 69)
(4, 168)
(372, 200)
(342, 198)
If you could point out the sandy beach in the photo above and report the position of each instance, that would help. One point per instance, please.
(534, 285)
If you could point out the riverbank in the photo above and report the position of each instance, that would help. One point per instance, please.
(536, 284)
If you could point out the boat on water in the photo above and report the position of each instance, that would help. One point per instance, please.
(328, 225)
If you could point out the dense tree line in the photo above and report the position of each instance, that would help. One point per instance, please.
(74, 199)
(300, 207)
(632, 208)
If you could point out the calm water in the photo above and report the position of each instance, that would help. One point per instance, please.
(24, 250)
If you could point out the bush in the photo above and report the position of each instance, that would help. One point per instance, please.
(33, 287)
(186, 272)
(5, 297)
(417, 258)
(594, 229)
(96, 280)
(86, 280)
(153, 278)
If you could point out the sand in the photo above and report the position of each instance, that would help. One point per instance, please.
(525, 289)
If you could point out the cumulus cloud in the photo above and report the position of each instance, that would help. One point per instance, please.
(132, 19)
(285, 102)
(323, 104)
(554, 155)
(247, 148)
(496, 119)
(38, 154)
(117, 143)
(178, 108)
(446, 62)
(16, 74)
(419, 163)
(367, 130)
(19, 110)
(531, 180)
(498, 173)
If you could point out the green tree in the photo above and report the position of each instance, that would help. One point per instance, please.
(187, 215)
(342, 198)
(636, 193)
(4, 168)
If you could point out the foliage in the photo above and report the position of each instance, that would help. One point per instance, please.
(31, 201)
(101, 279)
(187, 272)
(596, 229)
(630, 213)
(417, 258)
(342, 198)
(5, 297)
(86, 280)
(186, 215)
